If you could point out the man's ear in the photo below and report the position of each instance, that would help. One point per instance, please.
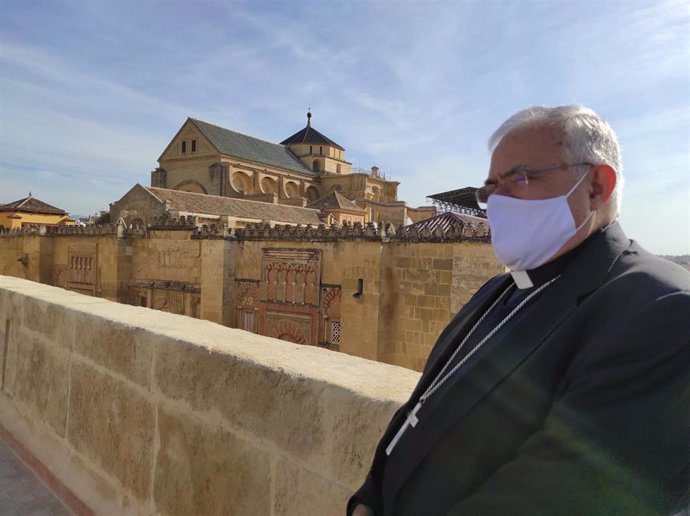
(603, 184)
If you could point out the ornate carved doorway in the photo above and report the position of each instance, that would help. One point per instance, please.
(289, 294)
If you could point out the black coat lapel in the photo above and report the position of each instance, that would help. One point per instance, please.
(500, 356)
(456, 329)
(459, 327)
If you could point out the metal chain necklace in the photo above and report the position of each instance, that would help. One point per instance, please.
(441, 378)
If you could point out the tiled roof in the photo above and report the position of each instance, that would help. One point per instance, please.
(241, 208)
(247, 147)
(311, 136)
(335, 200)
(31, 205)
(445, 221)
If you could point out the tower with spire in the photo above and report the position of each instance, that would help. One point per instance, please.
(317, 151)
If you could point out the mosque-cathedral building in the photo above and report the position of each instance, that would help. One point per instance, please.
(284, 240)
(306, 170)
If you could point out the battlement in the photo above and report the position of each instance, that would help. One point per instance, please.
(277, 232)
(166, 222)
(112, 230)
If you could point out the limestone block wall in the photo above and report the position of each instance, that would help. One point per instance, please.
(473, 265)
(423, 285)
(192, 168)
(361, 322)
(138, 411)
(167, 255)
(412, 284)
(111, 261)
(18, 246)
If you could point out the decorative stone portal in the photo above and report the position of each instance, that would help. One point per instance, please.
(291, 330)
(247, 304)
(81, 273)
(329, 333)
(289, 294)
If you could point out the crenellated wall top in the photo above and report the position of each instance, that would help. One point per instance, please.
(279, 232)
(25, 231)
(357, 231)
(113, 230)
(168, 223)
(320, 233)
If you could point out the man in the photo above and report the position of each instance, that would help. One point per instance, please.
(562, 387)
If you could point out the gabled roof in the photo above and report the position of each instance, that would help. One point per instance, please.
(311, 136)
(247, 147)
(241, 208)
(32, 205)
(446, 221)
(335, 201)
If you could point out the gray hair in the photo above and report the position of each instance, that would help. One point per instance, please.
(588, 138)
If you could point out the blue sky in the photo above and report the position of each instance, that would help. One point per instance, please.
(91, 92)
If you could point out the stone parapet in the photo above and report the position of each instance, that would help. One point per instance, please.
(212, 232)
(277, 232)
(144, 412)
(357, 231)
(25, 231)
(320, 233)
(113, 230)
(168, 223)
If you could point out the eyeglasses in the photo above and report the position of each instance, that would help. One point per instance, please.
(516, 181)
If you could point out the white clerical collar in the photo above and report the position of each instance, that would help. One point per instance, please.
(522, 279)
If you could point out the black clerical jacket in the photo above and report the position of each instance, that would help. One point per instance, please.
(579, 405)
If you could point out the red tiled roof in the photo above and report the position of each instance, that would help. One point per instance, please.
(32, 205)
(335, 200)
(241, 208)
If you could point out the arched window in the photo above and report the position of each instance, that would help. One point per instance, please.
(316, 166)
(312, 193)
(291, 189)
(241, 182)
(269, 185)
(190, 186)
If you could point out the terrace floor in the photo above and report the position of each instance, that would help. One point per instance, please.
(21, 492)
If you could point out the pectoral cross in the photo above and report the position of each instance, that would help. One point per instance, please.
(410, 421)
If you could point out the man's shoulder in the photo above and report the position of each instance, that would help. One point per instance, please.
(638, 265)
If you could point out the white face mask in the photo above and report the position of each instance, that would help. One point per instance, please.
(526, 233)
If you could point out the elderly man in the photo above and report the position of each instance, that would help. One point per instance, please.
(562, 387)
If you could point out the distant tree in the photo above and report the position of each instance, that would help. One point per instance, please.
(103, 218)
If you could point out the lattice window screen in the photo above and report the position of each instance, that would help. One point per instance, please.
(249, 321)
(335, 332)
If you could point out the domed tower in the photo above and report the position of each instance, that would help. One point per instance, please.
(318, 152)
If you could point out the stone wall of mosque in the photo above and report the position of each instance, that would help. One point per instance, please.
(366, 291)
(126, 410)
